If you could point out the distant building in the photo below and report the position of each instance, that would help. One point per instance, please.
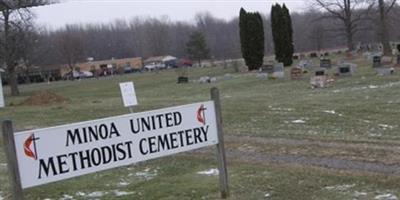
(105, 67)
(160, 62)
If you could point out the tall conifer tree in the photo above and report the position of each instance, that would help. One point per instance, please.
(251, 38)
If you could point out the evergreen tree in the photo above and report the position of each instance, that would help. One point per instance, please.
(282, 33)
(196, 47)
(251, 38)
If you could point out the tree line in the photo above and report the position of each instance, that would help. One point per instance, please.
(320, 27)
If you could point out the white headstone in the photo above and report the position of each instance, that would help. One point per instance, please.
(128, 94)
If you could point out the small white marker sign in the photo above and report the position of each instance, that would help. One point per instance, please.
(128, 94)
(1, 94)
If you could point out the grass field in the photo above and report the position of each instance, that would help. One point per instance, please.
(362, 109)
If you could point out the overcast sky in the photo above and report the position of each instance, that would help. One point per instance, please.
(89, 11)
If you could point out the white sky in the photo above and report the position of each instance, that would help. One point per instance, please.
(98, 11)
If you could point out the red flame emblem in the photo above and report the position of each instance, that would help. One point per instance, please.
(201, 115)
(27, 147)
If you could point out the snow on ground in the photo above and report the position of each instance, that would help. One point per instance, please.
(341, 188)
(3, 165)
(96, 194)
(67, 197)
(369, 87)
(385, 126)
(210, 172)
(299, 121)
(123, 183)
(119, 193)
(280, 109)
(147, 174)
(360, 194)
(332, 112)
(387, 196)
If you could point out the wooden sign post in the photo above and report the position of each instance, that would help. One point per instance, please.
(223, 173)
(12, 163)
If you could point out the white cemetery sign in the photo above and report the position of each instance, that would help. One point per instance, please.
(62, 152)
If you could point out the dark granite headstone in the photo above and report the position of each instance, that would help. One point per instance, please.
(320, 73)
(398, 59)
(182, 79)
(376, 61)
(326, 63)
(267, 69)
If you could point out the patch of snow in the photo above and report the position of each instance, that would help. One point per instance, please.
(267, 195)
(96, 194)
(81, 194)
(147, 174)
(386, 197)
(299, 121)
(373, 87)
(385, 126)
(375, 135)
(210, 172)
(332, 112)
(359, 194)
(281, 109)
(67, 197)
(123, 183)
(341, 188)
(122, 193)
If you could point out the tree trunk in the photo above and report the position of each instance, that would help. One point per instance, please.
(12, 75)
(12, 79)
(384, 36)
(349, 37)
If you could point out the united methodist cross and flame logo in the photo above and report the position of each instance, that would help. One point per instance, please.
(201, 116)
(28, 144)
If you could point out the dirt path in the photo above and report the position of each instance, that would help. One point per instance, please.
(379, 158)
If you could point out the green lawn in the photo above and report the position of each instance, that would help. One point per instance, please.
(362, 108)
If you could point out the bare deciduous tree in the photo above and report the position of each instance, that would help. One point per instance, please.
(384, 8)
(70, 46)
(349, 12)
(14, 13)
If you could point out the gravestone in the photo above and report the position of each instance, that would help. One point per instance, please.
(183, 79)
(320, 72)
(398, 60)
(313, 55)
(295, 57)
(279, 71)
(305, 64)
(376, 61)
(387, 61)
(384, 71)
(296, 73)
(346, 69)
(318, 81)
(325, 63)
(269, 69)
